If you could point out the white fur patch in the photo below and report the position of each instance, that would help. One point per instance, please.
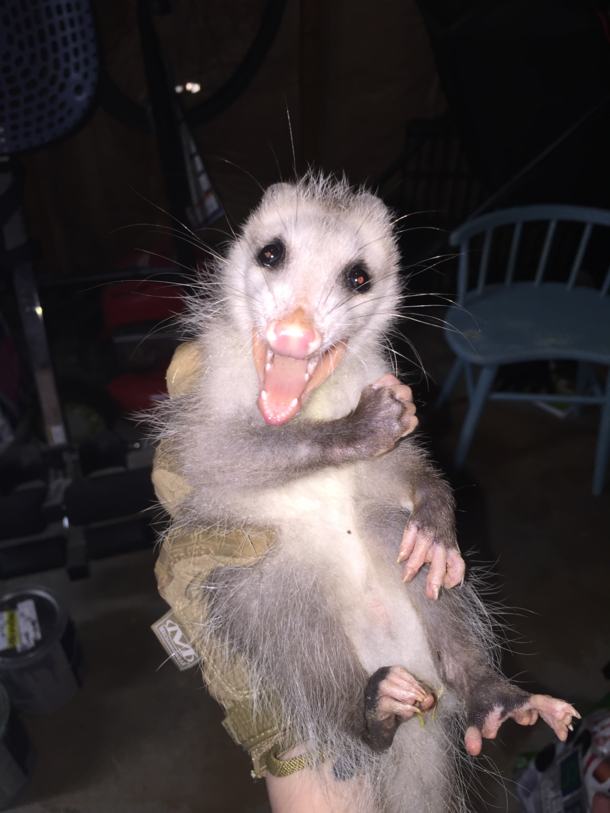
(317, 523)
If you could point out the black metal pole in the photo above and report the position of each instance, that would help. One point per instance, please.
(163, 110)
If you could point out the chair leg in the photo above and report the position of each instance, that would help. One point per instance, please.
(585, 377)
(469, 382)
(603, 443)
(581, 383)
(486, 377)
(450, 382)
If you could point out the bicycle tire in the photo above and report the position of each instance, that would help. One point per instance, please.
(135, 115)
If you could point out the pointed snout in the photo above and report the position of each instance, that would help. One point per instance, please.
(293, 336)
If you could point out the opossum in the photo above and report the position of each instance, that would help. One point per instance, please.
(298, 425)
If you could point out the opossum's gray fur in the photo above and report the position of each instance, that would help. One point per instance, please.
(325, 606)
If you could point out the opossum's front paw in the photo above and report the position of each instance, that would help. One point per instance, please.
(403, 394)
(419, 545)
(384, 415)
(557, 713)
(392, 696)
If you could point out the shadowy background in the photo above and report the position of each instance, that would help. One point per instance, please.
(445, 107)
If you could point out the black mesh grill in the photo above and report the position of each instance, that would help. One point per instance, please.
(48, 70)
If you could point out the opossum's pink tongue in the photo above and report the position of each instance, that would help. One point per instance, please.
(282, 388)
(288, 366)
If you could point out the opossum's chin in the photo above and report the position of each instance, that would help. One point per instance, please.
(285, 383)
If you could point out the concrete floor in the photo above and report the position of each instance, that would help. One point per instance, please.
(142, 737)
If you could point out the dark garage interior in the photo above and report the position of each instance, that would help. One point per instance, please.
(183, 112)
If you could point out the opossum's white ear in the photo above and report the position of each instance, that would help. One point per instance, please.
(276, 190)
(374, 201)
(375, 207)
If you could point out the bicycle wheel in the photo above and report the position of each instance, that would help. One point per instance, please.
(213, 47)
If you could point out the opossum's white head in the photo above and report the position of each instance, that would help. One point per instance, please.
(317, 270)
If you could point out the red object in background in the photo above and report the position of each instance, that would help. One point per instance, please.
(129, 308)
(124, 303)
(138, 317)
(160, 255)
(136, 392)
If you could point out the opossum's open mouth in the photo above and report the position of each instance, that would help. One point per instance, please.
(287, 382)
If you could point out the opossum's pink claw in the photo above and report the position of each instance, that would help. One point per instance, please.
(556, 713)
(438, 571)
(392, 696)
(400, 695)
(408, 543)
(446, 565)
(418, 544)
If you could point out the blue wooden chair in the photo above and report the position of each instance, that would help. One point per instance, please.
(514, 304)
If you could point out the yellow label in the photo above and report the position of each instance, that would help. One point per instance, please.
(12, 629)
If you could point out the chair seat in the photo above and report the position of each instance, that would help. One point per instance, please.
(525, 322)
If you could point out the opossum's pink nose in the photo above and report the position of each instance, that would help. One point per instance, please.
(293, 336)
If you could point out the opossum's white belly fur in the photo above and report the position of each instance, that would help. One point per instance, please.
(317, 526)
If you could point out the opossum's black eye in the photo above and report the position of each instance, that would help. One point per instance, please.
(271, 255)
(358, 278)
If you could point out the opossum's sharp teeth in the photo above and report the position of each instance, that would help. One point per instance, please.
(322, 366)
(283, 383)
(286, 382)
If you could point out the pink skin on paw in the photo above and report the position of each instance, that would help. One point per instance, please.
(399, 693)
(403, 394)
(556, 713)
(447, 567)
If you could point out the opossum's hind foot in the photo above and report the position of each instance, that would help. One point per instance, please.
(556, 713)
(392, 696)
